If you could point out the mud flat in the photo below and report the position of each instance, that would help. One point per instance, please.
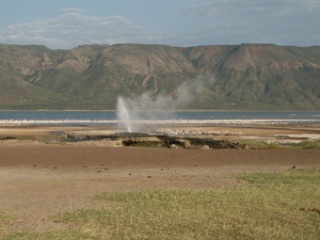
(109, 136)
(40, 175)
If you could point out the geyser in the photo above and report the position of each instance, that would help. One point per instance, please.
(134, 113)
(124, 120)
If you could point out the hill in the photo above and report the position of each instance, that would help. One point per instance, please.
(246, 76)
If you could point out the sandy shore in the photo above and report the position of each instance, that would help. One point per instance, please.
(39, 178)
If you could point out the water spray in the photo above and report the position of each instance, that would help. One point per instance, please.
(123, 115)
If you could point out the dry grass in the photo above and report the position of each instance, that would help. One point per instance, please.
(269, 206)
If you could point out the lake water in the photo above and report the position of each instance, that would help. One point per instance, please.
(109, 118)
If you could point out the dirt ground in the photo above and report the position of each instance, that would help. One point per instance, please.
(40, 179)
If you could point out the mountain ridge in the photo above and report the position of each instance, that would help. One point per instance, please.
(244, 77)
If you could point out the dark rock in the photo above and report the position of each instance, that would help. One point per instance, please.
(7, 138)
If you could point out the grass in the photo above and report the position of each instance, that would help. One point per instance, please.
(260, 144)
(310, 144)
(267, 206)
(41, 138)
(4, 217)
(69, 235)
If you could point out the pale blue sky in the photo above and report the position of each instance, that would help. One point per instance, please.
(69, 23)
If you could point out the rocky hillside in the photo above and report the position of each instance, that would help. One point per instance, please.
(246, 76)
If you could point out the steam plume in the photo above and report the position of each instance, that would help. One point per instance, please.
(131, 110)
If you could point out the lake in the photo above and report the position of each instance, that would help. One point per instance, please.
(110, 118)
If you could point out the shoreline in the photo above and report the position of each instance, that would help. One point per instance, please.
(162, 110)
(108, 136)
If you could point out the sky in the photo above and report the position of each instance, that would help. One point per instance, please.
(65, 24)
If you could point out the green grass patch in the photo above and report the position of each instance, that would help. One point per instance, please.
(4, 217)
(309, 144)
(261, 144)
(271, 206)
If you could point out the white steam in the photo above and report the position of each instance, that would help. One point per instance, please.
(132, 110)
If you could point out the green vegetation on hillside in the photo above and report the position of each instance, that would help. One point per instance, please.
(239, 77)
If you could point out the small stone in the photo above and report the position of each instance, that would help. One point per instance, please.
(185, 143)
(205, 147)
(173, 146)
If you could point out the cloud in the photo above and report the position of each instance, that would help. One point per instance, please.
(275, 21)
(217, 8)
(73, 27)
(284, 22)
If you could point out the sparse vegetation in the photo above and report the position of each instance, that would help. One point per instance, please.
(310, 144)
(56, 235)
(261, 144)
(4, 217)
(42, 138)
(266, 206)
